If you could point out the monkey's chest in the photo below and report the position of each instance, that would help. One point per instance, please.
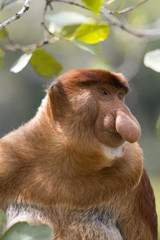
(92, 224)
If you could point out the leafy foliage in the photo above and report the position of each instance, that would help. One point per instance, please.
(92, 33)
(69, 30)
(152, 60)
(81, 30)
(44, 63)
(67, 18)
(93, 5)
(84, 32)
(21, 62)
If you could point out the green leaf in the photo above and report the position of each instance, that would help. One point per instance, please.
(152, 60)
(23, 231)
(68, 30)
(158, 127)
(92, 48)
(44, 64)
(92, 33)
(94, 5)
(67, 18)
(21, 63)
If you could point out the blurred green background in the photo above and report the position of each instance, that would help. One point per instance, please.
(21, 94)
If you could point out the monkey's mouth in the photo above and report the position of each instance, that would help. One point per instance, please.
(113, 133)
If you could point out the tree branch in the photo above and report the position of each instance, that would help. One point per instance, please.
(132, 7)
(71, 2)
(45, 39)
(115, 21)
(109, 15)
(17, 15)
(125, 10)
(139, 33)
(14, 47)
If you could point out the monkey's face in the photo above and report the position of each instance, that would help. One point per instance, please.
(90, 104)
(114, 123)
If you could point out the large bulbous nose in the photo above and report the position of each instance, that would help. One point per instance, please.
(127, 125)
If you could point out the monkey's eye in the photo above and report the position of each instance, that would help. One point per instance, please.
(102, 91)
(120, 96)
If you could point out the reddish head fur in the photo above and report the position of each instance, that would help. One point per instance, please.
(84, 77)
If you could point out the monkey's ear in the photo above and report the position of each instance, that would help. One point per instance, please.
(53, 86)
(58, 100)
(53, 93)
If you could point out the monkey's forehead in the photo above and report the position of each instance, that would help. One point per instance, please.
(89, 77)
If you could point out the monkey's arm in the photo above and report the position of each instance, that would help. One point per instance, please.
(12, 174)
(18, 167)
(146, 205)
(140, 222)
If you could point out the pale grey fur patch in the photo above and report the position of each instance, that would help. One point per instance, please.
(24, 213)
(112, 153)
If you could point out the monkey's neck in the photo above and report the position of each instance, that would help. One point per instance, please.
(75, 144)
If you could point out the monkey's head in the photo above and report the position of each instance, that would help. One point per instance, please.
(90, 104)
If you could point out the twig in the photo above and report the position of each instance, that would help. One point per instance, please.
(45, 29)
(117, 22)
(45, 39)
(17, 15)
(108, 14)
(132, 7)
(15, 47)
(125, 10)
(71, 2)
(138, 33)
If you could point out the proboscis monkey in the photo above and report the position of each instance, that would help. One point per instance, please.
(77, 166)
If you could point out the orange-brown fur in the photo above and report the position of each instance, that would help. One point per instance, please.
(57, 164)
